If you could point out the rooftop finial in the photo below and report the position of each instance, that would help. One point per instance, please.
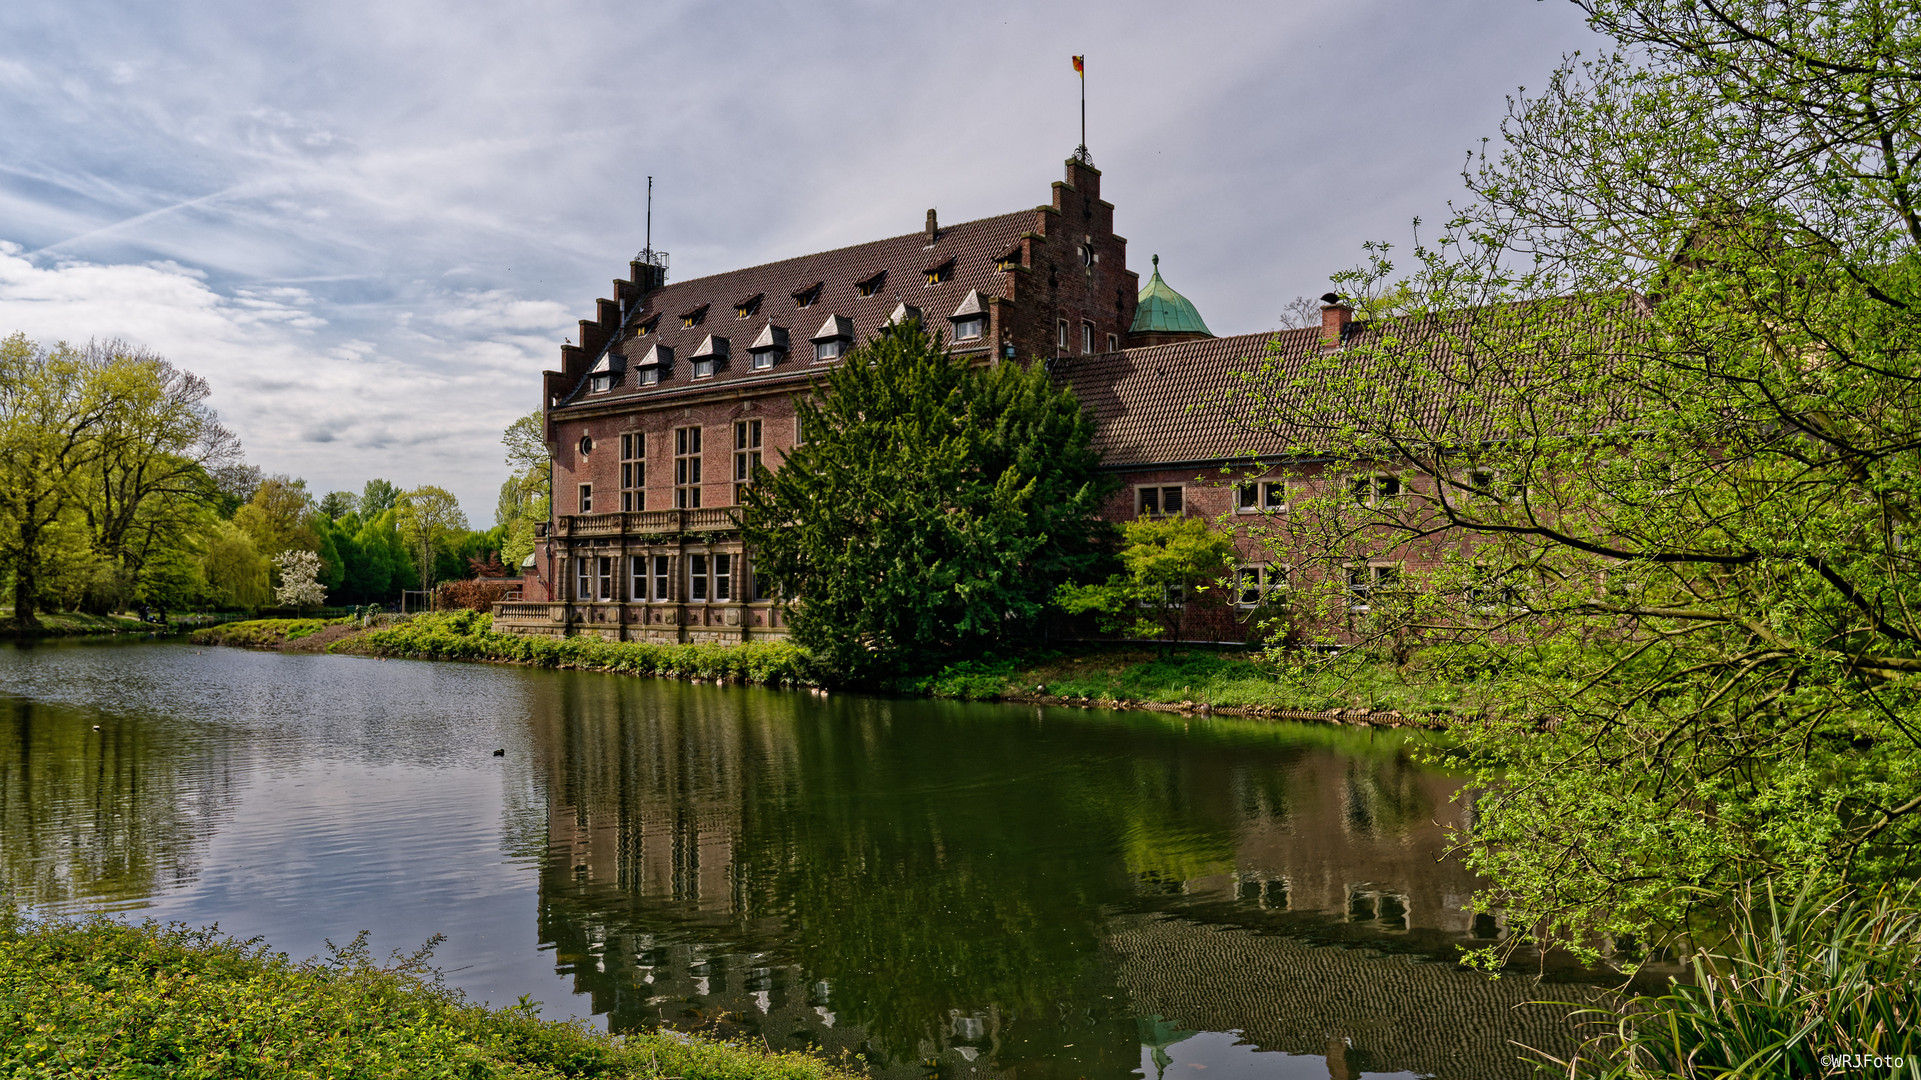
(1157, 264)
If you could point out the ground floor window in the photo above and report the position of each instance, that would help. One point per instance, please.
(663, 578)
(1254, 585)
(636, 578)
(723, 577)
(1366, 582)
(696, 578)
(1154, 501)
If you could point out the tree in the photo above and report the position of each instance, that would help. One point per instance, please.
(299, 584)
(934, 508)
(276, 516)
(1663, 368)
(1167, 564)
(337, 504)
(427, 518)
(52, 403)
(149, 486)
(526, 497)
(377, 497)
(233, 567)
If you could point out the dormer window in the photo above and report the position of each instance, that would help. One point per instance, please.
(833, 338)
(970, 319)
(904, 313)
(605, 374)
(768, 349)
(748, 308)
(872, 285)
(804, 298)
(647, 327)
(709, 357)
(694, 317)
(938, 274)
(654, 366)
(1009, 259)
(601, 383)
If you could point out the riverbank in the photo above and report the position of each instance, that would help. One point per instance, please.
(1177, 680)
(102, 998)
(75, 624)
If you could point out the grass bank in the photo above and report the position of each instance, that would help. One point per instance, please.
(1231, 682)
(466, 635)
(74, 624)
(101, 998)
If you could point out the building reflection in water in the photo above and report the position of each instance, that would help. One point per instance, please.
(982, 890)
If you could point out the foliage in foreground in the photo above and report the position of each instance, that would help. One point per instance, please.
(933, 508)
(1662, 369)
(101, 998)
(1810, 987)
(468, 635)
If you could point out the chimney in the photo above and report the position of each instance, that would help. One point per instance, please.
(933, 226)
(1334, 319)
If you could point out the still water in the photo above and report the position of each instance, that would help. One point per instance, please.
(951, 890)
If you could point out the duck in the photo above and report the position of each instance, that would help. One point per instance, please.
(500, 753)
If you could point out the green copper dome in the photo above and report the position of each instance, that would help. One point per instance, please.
(1161, 310)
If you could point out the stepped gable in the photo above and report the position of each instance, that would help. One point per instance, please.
(769, 291)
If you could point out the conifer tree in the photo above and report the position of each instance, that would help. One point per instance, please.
(933, 508)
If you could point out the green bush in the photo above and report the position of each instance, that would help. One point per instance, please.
(258, 633)
(469, 635)
(102, 998)
(1795, 986)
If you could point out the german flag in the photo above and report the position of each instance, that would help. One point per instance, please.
(1080, 65)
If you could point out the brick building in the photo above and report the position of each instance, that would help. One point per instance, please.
(677, 390)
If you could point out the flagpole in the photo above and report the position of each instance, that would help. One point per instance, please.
(1080, 153)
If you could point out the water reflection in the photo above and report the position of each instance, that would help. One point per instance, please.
(981, 891)
(950, 890)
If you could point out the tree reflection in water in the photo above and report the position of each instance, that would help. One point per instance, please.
(979, 889)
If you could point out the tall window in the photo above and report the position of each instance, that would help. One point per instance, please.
(633, 472)
(687, 468)
(746, 455)
(586, 498)
(1113, 343)
(723, 577)
(1087, 337)
(1154, 501)
(583, 579)
(1060, 337)
(696, 578)
(604, 577)
(663, 578)
(636, 578)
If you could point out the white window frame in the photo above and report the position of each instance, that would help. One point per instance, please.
(696, 577)
(1087, 338)
(831, 349)
(636, 579)
(1379, 576)
(663, 578)
(723, 563)
(585, 497)
(1258, 580)
(583, 582)
(1382, 488)
(1060, 336)
(971, 328)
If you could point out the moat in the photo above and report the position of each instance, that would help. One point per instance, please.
(949, 889)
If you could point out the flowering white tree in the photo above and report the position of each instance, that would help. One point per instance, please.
(299, 584)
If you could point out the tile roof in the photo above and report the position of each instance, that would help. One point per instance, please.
(971, 245)
(1176, 403)
(1158, 404)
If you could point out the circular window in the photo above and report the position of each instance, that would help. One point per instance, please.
(586, 445)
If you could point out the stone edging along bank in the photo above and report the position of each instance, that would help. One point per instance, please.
(1349, 717)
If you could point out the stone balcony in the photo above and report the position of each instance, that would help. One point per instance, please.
(718, 622)
(645, 523)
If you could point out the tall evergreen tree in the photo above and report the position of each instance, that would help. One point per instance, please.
(933, 508)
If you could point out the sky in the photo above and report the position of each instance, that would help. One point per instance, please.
(371, 224)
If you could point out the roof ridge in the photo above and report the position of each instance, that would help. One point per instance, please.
(837, 250)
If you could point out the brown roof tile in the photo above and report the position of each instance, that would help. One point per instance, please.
(971, 245)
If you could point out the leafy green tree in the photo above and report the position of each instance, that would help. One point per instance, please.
(526, 497)
(1662, 367)
(1167, 565)
(934, 508)
(385, 570)
(428, 518)
(276, 516)
(52, 404)
(233, 567)
(377, 497)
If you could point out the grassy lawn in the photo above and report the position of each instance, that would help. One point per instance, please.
(102, 998)
(73, 623)
(1220, 680)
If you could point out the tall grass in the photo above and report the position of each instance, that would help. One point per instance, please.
(1813, 987)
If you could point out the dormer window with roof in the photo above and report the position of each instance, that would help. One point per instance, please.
(941, 273)
(870, 286)
(709, 357)
(748, 308)
(970, 319)
(804, 298)
(904, 313)
(605, 374)
(694, 317)
(647, 327)
(653, 367)
(833, 338)
(769, 349)
(1009, 259)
